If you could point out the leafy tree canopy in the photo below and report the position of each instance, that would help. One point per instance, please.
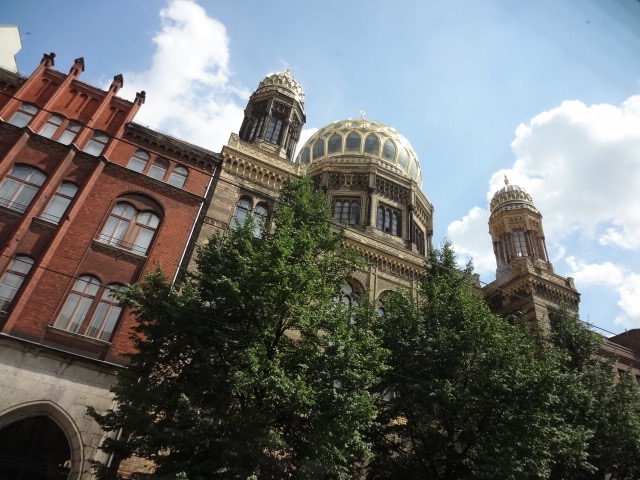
(250, 370)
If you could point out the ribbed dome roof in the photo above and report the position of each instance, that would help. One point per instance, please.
(363, 138)
(285, 83)
(511, 196)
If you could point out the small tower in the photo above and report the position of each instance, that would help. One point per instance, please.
(525, 281)
(274, 115)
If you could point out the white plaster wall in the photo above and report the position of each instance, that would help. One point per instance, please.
(36, 379)
(10, 45)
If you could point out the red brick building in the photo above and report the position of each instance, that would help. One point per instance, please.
(89, 202)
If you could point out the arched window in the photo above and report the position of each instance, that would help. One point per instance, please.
(520, 243)
(256, 128)
(178, 176)
(60, 201)
(20, 187)
(347, 295)
(335, 143)
(69, 133)
(306, 156)
(51, 127)
(381, 300)
(403, 158)
(96, 144)
(388, 220)
(372, 144)
(159, 168)
(129, 228)
(260, 214)
(23, 115)
(138, 162)
(318, 148)
(78, 302)
(273, 130)
(394, 223)
(243, 208)
(13, 278)
(389, 150)
(34, 447)
(353, 142)
(106, 314)
(346, 211)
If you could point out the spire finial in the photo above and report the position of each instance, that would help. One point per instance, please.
(362, 113)
(506, 180)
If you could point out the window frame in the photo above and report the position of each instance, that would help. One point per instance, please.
(92, 147)
(131, 229)
(19, 276)
(61, 198)
(23, 116)
(22, 185)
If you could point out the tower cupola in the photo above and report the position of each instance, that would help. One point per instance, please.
(274, 116)
(515, 226)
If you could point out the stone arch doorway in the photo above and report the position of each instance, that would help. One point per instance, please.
(38, 441)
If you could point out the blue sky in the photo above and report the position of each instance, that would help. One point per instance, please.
(546, 92)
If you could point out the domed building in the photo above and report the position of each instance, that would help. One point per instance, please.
(369, 172)
(525, 280)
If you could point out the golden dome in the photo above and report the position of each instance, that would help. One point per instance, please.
(284, 83)
(363, 138)
(511, 196)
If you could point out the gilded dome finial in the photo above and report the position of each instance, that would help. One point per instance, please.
(506, 180)
(362, 113)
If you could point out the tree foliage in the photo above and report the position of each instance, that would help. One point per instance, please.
(474, 396)
(250, 370)
(470, 392)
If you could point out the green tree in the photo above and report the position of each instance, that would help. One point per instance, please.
(250, 370)
(469, 395)
(601, 414)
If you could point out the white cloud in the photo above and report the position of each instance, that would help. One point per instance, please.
(189, 92)
(471, 240)
(581, 165)
(625, 283)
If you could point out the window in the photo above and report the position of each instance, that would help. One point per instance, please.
(138, 162)
(305, 157)
(260, 219)
(389, 150)
(130, 229)
(60, 201)
(335, 143)
(388, 220)
(159, 168)
(106, 315)
(96, 144)
(403, 158)
(13, 278)
(243, 209)
(347, 295)
(353, 142)
(318, 149)
(51, 127)
(418, 239)
(178, 176)
(69, 133)
(256, 128)
(520, 244)
(273, 130)
(346, 211)
(23, 116)
(372, 144)
(20, 187)
(78, 303)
